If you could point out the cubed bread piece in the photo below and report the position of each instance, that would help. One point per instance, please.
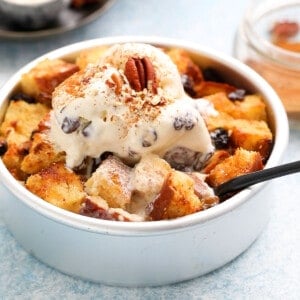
(252, 135)
(217, 157)
(212, 87)
(251, 107)
(13, 158)
(20, 120)
(59, 186)
(41, 154)
(222, 103)
(177, 198)
(41, 81)
(242, 162)
(185, 64)
(192, 76)
(222, 120)
(89, 56)
(111, 181)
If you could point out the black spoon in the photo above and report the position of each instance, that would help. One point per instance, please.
(246, 180)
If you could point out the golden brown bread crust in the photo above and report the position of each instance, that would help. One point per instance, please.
(186, 65)
(41, 81)
(217, 158)
(176, 198)
(241, 162)
(253, 136)
(211, 87)
(59, 186)
(251, 107)
(41, 155)
(246, 122)
(13, 158)
(21, 119)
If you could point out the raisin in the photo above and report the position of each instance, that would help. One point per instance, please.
(220, 138)
(178, 123)
(187, 122)
(180, 158)
(210, 74)
(238, 94)
(70, 125)
(149, 138)
(188, 85)
(3, 146)
(105, 155)
(24, 97)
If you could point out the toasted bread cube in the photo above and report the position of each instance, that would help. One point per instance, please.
(222, 103)
(41, 155)
(89, 56)
(252, 135)
(217, 157)
(13, 158)
(185, 64)
(41, 81)
(222, 120)
(20, 120)
(251, 108)
(211, 87)
(177, 198)
(242, 162)
(59, 186)
(111, 182)
(187, 68)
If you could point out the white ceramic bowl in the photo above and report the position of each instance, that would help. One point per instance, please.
(146, 253)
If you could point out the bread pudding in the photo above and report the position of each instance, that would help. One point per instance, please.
(131, 132)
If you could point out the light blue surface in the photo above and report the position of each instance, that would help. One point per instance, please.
(269, 269)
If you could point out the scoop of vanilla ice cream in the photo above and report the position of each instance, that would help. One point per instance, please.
(96, 110)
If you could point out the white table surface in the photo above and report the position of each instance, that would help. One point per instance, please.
(269, 269)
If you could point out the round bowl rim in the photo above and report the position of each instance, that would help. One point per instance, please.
(80, 222)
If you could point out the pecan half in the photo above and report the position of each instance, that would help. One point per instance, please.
(141, 74)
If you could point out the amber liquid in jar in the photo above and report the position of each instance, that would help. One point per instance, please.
(268, 40)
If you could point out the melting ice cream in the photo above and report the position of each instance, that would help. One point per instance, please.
(131, 103)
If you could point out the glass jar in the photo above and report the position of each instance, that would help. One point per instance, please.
(268, 40)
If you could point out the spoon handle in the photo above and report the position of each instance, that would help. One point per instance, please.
(246, 180)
